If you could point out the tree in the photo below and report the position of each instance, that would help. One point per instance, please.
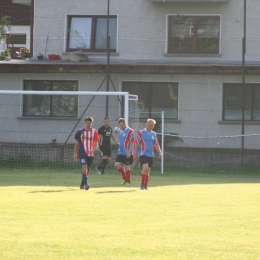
(5, 24)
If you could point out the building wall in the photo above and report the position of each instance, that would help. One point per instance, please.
(142, 27)
(200, 107)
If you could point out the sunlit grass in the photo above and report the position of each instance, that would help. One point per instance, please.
(184, 215)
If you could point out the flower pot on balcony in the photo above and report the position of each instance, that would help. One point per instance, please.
(39, 56)
(53, 56)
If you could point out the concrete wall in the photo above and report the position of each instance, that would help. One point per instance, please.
(200, 107)
(142, 27)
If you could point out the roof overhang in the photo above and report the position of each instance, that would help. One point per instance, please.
(127, 68)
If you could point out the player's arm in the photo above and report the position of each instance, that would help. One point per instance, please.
(135, 157)
(158, 150)
(114, 138)
(76, 149)
(100, 136)
(131, 148)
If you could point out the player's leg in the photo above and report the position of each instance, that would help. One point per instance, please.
(118, 166)
(84, 171)
(145, 171)
(99, 168)
(106, 159)
(150, 165)
(128, 163)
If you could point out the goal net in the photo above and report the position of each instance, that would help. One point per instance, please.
(38, 127)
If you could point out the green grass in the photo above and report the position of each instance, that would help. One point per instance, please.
(185, 214)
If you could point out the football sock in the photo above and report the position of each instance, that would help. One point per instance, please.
(122, 172)
(103, 164)
(142, 179)
(128, 176)
(146, 180)
(85, 178)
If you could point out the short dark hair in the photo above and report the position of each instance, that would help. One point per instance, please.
(106, 118)
(89, 118)
(121, 120)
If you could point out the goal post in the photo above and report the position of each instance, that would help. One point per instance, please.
(36, 125)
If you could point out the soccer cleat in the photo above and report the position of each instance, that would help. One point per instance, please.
(86, 187)
(98, 170)
(145, 188)
(125, 182)
(81, 187)
(142, 187)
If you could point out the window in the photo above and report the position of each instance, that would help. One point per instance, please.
(155, 97)
(233, 101)
(89, 33)
(47, 105)
(18, 38)
(193, 34)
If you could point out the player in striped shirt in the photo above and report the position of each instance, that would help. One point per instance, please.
(87, 139)
(124, 157)
(146, 143)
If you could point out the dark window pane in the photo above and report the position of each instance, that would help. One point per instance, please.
(80, 33)
(165, 98)
(101, 33)
(233, 101)
(18, 38)
(36, 104)
(208, 34)
(181, 35)
(193, 34)
(256, 112)
(65, 105)
(47, 105)
(155, 97)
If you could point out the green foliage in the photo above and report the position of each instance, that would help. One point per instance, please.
(5, 24)
(5, 53)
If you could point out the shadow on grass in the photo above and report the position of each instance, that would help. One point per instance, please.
(50, 191)
(116, 191)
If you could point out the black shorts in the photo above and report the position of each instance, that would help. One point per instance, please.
(105, 150)
(124, 160)
(84, 159)
(145, 159)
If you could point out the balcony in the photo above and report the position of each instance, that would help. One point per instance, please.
(22, 2)
(189, 1)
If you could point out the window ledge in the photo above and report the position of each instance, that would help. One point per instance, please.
(191, 55)
(238, 122)
(47, 118)
(94, 53)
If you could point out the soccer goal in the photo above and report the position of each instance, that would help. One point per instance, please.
(39, 126)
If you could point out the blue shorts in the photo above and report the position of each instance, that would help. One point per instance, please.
(84, 159)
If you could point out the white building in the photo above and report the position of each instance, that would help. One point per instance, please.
(180, 57)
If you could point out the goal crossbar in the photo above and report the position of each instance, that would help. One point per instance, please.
(126, 95)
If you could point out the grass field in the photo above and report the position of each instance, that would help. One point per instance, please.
(184, 215)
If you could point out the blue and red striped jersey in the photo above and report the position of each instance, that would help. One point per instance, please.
(86, 139)
(146, 141)
(125, 138)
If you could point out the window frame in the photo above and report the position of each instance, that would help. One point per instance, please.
(194, 45)
(51, 106)
(252, 102)
(92, 33)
